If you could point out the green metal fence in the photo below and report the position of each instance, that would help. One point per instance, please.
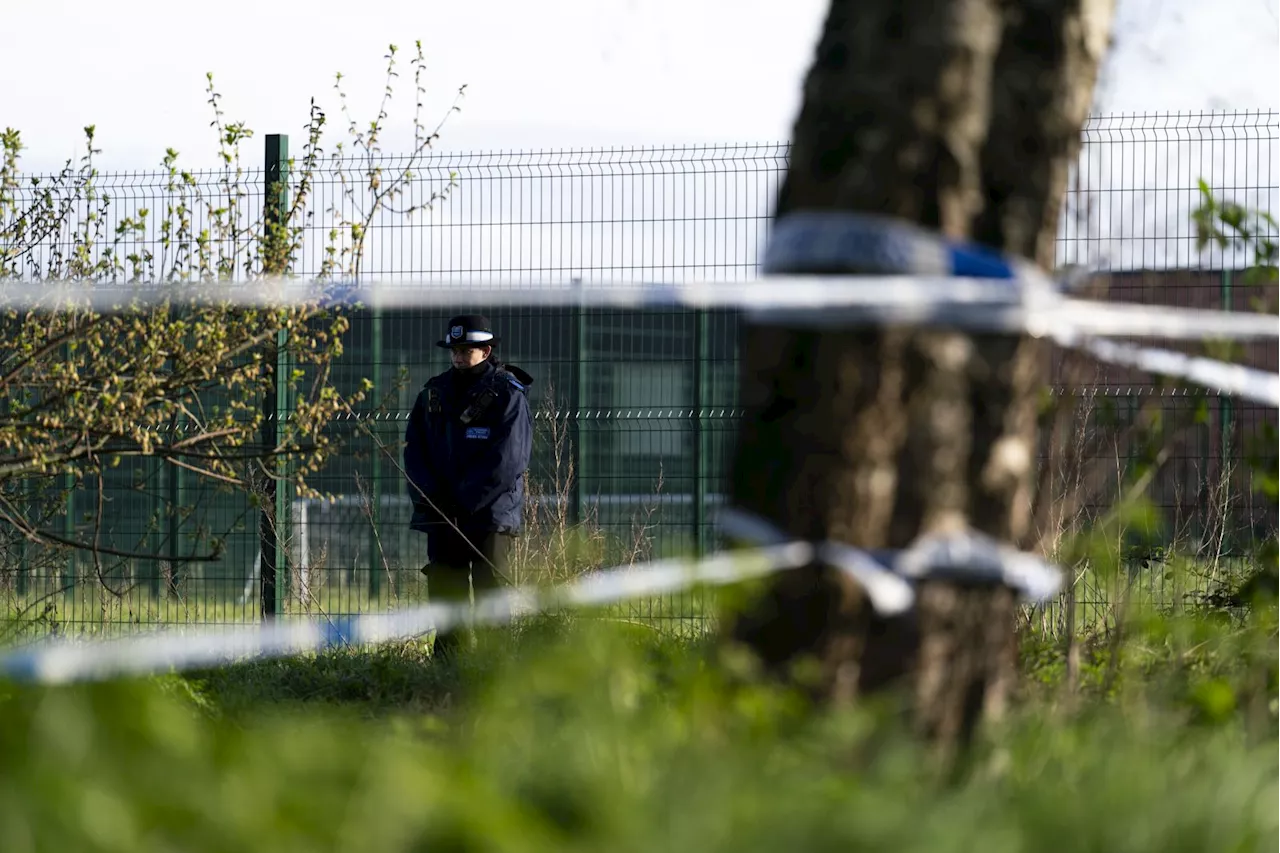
(635, 409)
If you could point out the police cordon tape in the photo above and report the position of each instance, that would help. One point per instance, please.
(893, 274)
(1232, 379)
(818, 299)
(65, 661)
(822, 241)
(820, 267)
(886, 577)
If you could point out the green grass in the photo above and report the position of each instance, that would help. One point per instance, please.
(573, 734)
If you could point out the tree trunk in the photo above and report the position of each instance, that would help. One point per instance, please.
(962, 116)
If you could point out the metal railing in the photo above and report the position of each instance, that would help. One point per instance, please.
(636, 409)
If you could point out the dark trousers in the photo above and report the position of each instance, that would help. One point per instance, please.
(452, 559)
(483, 555)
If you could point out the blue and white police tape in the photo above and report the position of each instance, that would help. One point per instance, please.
(888, 588)
(65, 661)
(839, 241)
(1236, 380)
(969, 556)
(819, 301)
(1080, 317)
(815, 299)
(62, 661)
(814, 292)
(905, 275)
(1023, 298)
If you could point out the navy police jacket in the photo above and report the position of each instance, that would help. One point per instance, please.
(467, 446)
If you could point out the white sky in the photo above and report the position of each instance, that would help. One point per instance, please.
(552, 73)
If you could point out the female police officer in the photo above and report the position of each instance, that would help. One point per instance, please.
(467, 447)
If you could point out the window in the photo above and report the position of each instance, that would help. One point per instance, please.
(651, 403)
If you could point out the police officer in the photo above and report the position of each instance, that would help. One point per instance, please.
(467, 447)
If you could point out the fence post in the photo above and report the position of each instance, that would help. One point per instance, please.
(69, 532)
(1225, 417)
(402, 485)
(26, 498)
(700, 349)
(68, 481)
(24, 562)
(152, 467)
(275, 508)
(579, 431)
(375, 467)
(176, 496)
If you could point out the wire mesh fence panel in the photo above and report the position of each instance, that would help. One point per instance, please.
(1129, 217)
(146, 530)
(635, 410)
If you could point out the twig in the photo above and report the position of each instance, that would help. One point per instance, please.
(97, 532)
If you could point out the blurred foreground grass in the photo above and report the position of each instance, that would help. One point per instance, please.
(589, 735)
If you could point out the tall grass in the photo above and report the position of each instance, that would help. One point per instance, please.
(590, 735)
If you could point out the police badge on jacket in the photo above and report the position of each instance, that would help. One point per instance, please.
(467, 447)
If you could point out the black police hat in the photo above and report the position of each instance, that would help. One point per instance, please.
(468, 330)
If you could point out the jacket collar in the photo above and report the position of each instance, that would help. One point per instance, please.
(468, 379)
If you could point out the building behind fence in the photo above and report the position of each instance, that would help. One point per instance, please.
(635, 409)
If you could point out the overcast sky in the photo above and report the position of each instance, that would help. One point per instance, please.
(550, 73)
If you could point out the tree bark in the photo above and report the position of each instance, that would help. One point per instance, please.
(962, 116)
